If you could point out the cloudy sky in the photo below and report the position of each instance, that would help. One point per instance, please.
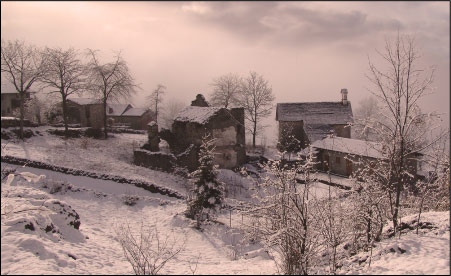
(308, 51)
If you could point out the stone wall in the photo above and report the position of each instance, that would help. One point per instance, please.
(155, 160)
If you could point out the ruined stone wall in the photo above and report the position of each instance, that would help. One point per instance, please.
(155, 160)
(227, 127)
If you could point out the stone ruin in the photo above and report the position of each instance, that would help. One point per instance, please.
(226, 126)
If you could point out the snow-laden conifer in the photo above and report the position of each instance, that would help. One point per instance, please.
(207, 192)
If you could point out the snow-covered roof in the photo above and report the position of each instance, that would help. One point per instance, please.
(196, 114)
(9, 118)
(351, 146)
(84, 101)
(134, 111)
(319, 113)
(9, 92)
(117, 109)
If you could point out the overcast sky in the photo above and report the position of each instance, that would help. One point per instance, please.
(308, 51)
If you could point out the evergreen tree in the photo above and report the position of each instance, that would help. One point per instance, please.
(207, 192)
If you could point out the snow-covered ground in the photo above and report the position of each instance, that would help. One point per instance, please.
(39, 213)
(113, 156)
(94, 249)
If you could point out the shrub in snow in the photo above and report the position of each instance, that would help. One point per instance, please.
(207, 192)
(130, 200)
(148, 251)
(283, 218)
(95, 133)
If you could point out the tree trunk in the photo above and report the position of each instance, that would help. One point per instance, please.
(21, 94)
(254, 133)
(105, 131)
(66, 128)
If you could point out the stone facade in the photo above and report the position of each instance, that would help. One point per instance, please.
(342, 163)
(10, 102)
(226, 126)
(87, 115)
(193, 123)
(346, 157)
(135, 122)
(312, 121)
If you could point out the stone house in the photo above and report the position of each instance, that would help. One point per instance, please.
(89, 113)
(346, 157)
(196, 121)
(136, 118)
(311, 121)
(84, 111)
(127, 115)
(11, 101)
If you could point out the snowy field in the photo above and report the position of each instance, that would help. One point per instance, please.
(39, 213)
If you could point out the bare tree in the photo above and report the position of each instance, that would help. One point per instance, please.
(110, 81)
(367, 111)
(156, 98)
(432, 192)
(23, 66)
(398, 89)
(148, 251)
(65, 74)
(171, 108)
(331, 224)
(226, 90)
(283, 218)
(256, 98)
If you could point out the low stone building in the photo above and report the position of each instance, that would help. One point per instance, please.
(84, 111)
(194, 122)
(11, 101)
(89, 113)
(346, 157)
(311, 121)
(136, 118)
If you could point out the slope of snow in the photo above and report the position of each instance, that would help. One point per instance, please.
(94, 249)
(55, 200)
(112, 156)
(427, 253)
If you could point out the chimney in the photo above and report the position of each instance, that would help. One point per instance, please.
(344, 96)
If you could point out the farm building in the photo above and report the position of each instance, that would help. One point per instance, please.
(310, 121)
(346, 157)
(198, 120)
(11, 101)
(89, 113)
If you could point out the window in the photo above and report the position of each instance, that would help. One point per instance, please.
(337, 160)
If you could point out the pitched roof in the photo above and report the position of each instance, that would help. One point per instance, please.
(351, 146)
(196, 114)
(117, 109)
(319, 113)
(85, 101)
(135, 112)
